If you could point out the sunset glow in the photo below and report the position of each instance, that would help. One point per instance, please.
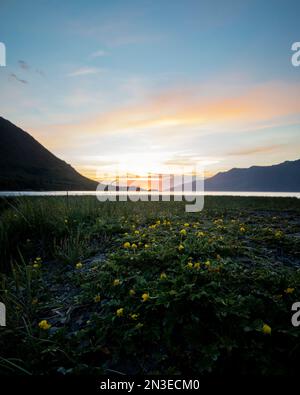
(145, 92)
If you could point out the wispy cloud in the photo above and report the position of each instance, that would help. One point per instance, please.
(24, 65)
(270, 103)
(99, 53)
(85, 71)
(15, 77)
(256, 150)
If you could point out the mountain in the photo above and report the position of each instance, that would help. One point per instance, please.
(26, 165)
(284, 177)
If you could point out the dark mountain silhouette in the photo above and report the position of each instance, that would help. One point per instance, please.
(284, 177)
(26, 165)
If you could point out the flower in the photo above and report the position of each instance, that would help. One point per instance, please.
(186, 225)
(242, 229)
(37, 263)
(145, 297)
(132, 292)
(146, 246)
(44, 325)
(120, 312)
(197, 265)
(189, 265)
(136, 232)
(97, 298)
(126, 245)
(66, 221)
(116, 282)
(289, 290)
(183, 232)
(266, 329)
(158, 222)
(78, 265)
(133, 246)
(278, 234)
(134, 316)
(180, 247)
(34, 301)
(207, 263)
(163, 276)
(200, 234)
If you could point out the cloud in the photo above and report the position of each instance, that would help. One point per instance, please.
(99, 53)
(182, 117)
(253, 109)
(40, 72)
(256, 150)
(14, 76)
(85, 71)
(24, 65)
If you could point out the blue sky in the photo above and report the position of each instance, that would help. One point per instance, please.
(160, 80)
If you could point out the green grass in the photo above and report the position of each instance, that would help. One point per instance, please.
(210, 280)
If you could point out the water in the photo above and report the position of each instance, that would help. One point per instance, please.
(142, 193)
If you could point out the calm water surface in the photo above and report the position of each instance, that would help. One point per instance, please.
(122, 193)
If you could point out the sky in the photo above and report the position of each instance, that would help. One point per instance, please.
(154, 83)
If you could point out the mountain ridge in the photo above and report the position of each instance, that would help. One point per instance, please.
(282, 177)
(25, 164)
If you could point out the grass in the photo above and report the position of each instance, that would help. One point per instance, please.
(146, 288)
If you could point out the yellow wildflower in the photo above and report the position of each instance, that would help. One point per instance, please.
(133, 246)
(132, 292)
(278, 234)
(189, 265)
(158, 222)
(289, 290)
(34, 301)
(97, 298)
(180, 247)
(186, 225)
(197, 265)
(134, 316)
(266, 329)
(200, 234)
(183, 232)
(146, 246)
(44, 325)
(116, 282)
(126, 245)
(207, 263)
(79, 265)
(145, 297)
(120, 312)
(163, 276)
(136, 232)
(36, 265)
(242, 229)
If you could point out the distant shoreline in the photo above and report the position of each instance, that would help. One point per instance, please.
(132, 193)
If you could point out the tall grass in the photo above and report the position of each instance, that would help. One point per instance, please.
(67, 226)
